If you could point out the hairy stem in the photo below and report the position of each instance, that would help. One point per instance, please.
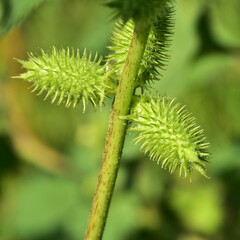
(116, 133)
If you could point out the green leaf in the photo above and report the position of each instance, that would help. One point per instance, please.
(38, 205)
(13, 12)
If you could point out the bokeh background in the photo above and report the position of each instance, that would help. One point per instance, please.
(50, 156)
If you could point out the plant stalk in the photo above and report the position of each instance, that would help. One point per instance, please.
(116, 133)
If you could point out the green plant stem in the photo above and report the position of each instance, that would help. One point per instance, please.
(116, 133)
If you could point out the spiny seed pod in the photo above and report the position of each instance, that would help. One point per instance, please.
(67, 77)
(147, 10)
(169, 135)
(156, 52)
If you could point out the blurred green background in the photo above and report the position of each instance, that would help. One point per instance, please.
(50, 156)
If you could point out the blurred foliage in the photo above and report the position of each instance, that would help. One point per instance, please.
(12, 12)
(39, 202)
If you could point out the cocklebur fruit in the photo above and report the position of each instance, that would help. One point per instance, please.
(156, 53)
(169, 135)
(67, 77)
